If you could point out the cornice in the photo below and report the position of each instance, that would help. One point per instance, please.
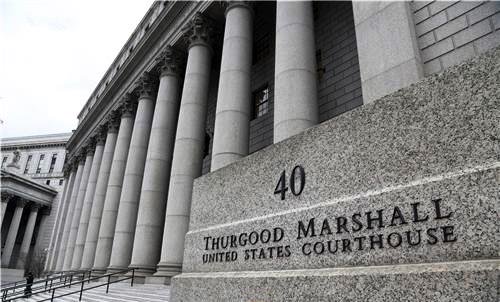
(166, 31)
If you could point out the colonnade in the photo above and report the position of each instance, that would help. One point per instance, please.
(128, 194)
(21, 205)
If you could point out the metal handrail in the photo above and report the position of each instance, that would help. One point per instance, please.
(6, 291)
(82, 288)
(6, 286)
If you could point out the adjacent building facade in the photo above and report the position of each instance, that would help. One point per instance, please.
(200, 85)
(32, 183)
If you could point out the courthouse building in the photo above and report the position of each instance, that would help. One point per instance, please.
(200, 85)
(31, 182)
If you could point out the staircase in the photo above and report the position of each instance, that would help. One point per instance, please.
(118, 292)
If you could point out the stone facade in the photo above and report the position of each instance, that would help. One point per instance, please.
(205, 87)
(31, 165)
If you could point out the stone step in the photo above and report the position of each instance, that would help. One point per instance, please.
(118, 292)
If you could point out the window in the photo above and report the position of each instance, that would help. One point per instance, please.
(53, 162)
(40, 163)
(260, 102)
(61, 181)
(28, 164)
(4, 160)
(47, 182)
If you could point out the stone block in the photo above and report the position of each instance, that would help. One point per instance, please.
(487, 9)
(477, 30)
(421, 15)
(461, 7)
(458, 55)
(426, 40)
(487, 42)
(437, 50)
(450, 28)
(437, 6)
(419, 283)
(430, 24)
(398, 202)
(432, 67)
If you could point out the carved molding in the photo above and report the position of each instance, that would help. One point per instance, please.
(113, 121)
(100, 136)
(147, 85)
(34, 207)
(90, 147)
(171, 61)
(81, 157)
(6, 197)
(128, 105)
(21, 202)
(200, 30)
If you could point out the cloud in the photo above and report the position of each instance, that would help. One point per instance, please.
(53, 55)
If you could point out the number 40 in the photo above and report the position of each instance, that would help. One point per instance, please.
(281, 187)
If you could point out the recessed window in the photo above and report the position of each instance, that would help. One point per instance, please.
(260, 102)
(47, 182)
(53, 162)
(40, 163)
(61, 181)
(4, 160)
(28, 164)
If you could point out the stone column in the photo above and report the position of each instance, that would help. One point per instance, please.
(295, 102)
(132, 181)
(88, 201)
(59, 230)
(151, 216)
(389, 57)
(75, 220)
(57, 221)
(12, 234)
(114, 189)
(100, 193)
(6, 197)
(188, 152)
(69, 214)
(232, 119)
(28, 235)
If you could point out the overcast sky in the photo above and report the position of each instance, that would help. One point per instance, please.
(52, 55)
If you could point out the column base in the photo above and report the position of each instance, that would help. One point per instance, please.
(98, 271)
(115, 269)
(165, 272)
(141, 272)
(158, 280)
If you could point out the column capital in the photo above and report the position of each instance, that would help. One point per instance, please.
(113, 121)
(100, 136)
(6, 197)
(232, 4)
(200, 31)
(82, 156)
(90, 147)
(147, 85)
(170, 61)
(34, 207)
(21, 202)
(128, 105)
(67, 167)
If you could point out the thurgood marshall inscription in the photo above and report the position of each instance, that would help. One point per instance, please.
(403, 226)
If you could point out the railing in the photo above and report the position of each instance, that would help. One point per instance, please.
(51, 286)
(62, 278)
(10, 285)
